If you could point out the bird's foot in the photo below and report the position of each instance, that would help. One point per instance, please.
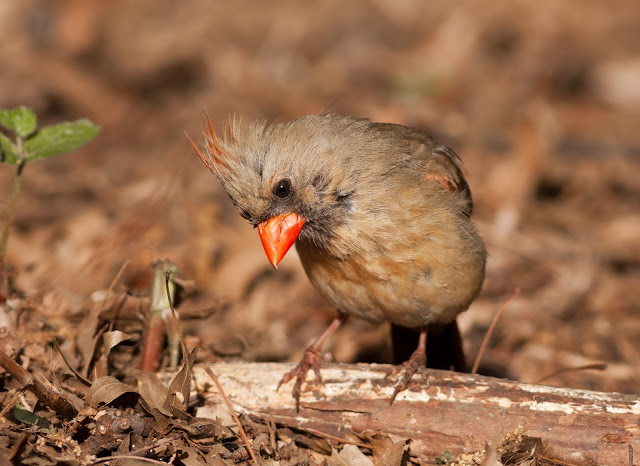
(416, 363)
(311, 360)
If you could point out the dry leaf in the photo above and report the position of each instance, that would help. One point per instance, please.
(106, 389)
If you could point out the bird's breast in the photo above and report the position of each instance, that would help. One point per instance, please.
(405, 283)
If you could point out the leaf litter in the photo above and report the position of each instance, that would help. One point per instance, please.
(533, 98)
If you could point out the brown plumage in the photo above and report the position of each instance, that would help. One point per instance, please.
(379, 214)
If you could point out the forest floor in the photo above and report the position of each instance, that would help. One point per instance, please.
(541, 100)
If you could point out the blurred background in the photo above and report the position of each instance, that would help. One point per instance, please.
(540, 99)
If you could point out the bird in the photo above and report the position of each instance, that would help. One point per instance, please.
(380, 216)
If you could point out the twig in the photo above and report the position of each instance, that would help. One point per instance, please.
(78, 375)
(39, 386)
(12, 401)
(175, 314)
(113, 284)
(116, 279)
(336, 438)
(182, 380)
(128, 457)
(553, 460)
(18, 447)
(487, 335)
(596, 366)
(233, 413)
(155, 444)
(15, 191)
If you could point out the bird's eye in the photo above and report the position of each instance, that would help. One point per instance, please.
(282, 189)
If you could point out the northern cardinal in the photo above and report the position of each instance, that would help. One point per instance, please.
(380, 216)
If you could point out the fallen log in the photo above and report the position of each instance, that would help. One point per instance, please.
(454, 412)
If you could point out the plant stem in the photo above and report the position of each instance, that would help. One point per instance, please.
(15, 191)
(160, 319)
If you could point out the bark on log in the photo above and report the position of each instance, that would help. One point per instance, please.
(456, 412)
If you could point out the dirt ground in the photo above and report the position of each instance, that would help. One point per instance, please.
(540, 99)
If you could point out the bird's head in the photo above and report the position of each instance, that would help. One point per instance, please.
(284, 178)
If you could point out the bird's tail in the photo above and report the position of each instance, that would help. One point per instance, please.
(444, 346)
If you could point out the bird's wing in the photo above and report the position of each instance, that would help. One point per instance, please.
(436, 162)
(445, 167)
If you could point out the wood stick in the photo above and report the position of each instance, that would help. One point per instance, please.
(456, 412)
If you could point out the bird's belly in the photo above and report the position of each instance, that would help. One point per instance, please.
(405, 293)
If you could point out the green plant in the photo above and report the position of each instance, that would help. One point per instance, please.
(31, 144)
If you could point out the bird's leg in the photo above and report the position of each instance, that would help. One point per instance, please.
(310, 360)
(417, 362)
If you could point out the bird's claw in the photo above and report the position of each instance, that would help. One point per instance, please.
(416, 363)
(310, 360)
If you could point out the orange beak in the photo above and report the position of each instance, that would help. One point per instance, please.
(278, 234)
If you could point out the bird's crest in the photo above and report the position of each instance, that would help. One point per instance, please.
(215, 157)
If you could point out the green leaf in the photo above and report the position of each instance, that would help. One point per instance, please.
(59, 139)
(5, 118)
(20, 120)
(25, 416)
(9, 153)
(22, 414)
